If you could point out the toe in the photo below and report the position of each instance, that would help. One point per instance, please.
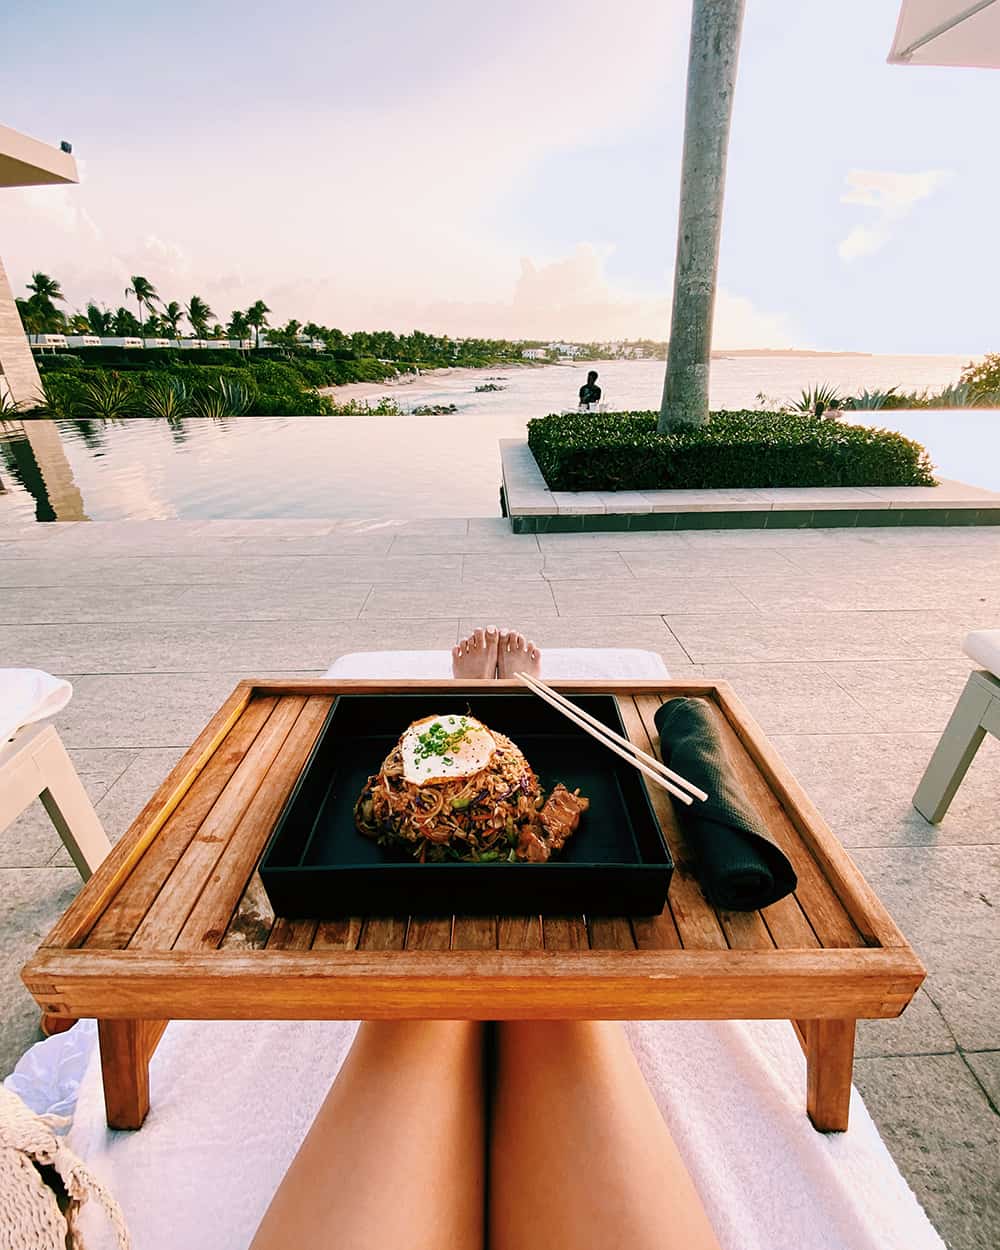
(480, 637)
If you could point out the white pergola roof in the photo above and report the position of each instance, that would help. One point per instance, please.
(27, 162)
(947, 32)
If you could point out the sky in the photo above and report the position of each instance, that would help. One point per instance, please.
(507, 170)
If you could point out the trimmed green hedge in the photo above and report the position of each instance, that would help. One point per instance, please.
(312, 369)
(623, 451)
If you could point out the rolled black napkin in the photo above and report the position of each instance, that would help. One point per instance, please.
(738, 864)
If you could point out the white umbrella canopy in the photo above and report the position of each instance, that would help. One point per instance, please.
(948, 32)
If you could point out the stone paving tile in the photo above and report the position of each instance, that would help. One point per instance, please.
(615, 540)
(832, 592)
(945, 1138)
(267, 527)
(225, 646)
(361, 544)
(496, 566)
(863, 785)
(946, 899)
(710, 562)
(34, 605)
(319, 571)
(939, 634)
(162, 571)
(793, 698)
(499, 601)
(779, 540)
(31, 901)
(911, 695)
(644, 596)
(747, 637)
(986, 1066)
(142, 709)
(479, 540)
(920, 1030)
(300, 601)
(871, 558)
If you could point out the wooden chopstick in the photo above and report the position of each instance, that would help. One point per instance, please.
(536, 684)
(628, 751)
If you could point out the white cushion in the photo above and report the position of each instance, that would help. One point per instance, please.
(983, 646)
(28, 695)
(561, 663)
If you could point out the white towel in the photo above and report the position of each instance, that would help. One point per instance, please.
(558, 663)
(28, 695)
(201, 1171)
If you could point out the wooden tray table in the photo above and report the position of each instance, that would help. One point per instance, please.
(175, 924)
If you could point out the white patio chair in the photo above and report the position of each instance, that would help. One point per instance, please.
(976, 714)
(34, 765)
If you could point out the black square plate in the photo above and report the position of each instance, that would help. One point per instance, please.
(316, 864)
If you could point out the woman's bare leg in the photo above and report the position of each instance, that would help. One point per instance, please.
(396, 1155)
(579, 1154)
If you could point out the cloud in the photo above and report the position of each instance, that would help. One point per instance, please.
(571, 297)
(892, 196)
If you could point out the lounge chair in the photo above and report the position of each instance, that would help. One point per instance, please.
(34, 765)
(976, 714)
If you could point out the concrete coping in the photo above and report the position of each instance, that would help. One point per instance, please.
(527, 496)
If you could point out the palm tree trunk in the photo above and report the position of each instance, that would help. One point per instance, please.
(715, 45)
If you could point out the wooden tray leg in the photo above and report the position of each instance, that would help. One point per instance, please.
(126, 1049)
(829, 1047)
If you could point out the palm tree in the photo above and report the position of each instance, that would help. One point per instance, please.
(239, 327)
(145, 295)
(99, 320)
(198, 313)
(715, 46)
(78, 324)
(170, 316)
(125, 324)
(42, 310)
(257, 317)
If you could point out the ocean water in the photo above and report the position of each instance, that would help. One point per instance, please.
(408, 466)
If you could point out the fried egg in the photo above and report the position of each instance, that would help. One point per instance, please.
(441, 748)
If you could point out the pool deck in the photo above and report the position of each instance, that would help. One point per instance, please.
(845, 644)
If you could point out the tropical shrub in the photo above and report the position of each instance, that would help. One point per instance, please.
(984, 376)
(870, 401)
(624, 451)
(106, 395)
(166, 397)
(816, 400)
(223, 398)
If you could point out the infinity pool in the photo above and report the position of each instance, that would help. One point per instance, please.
(366, 466)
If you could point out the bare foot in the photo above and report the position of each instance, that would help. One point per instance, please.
(517, 654)
(476, 656)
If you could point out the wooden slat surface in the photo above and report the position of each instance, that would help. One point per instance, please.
(193, 886)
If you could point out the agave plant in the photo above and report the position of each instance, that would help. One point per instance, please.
(107, 396)
(223, 399)
(167, 398)
(817, 400)
(871, 401)
(9, 408)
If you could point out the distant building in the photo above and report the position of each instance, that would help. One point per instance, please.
(570, 350)
(535, 353)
